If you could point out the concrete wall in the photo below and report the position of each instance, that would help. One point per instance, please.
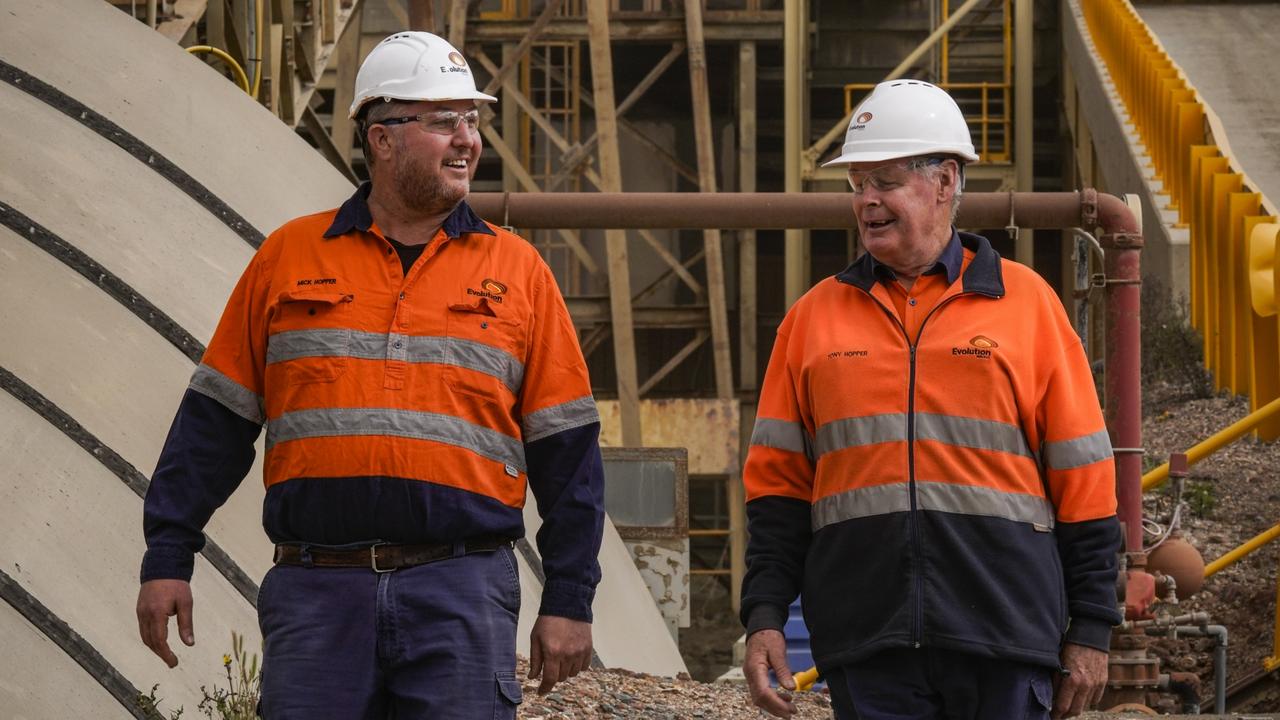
(1117, 157)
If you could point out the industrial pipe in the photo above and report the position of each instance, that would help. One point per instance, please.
(763, 211)
(1219, 634)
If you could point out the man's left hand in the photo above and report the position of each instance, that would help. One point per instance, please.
(559, 648)
(1082, 687)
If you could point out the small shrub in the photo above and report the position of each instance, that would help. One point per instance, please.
(1201, 497)
(239, 701)
(150, 705)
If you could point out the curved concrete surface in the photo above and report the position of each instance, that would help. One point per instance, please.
(75, 545)
(173, 102)
(1230, 54)
(68, 521)
(113, 374)
(38, 680)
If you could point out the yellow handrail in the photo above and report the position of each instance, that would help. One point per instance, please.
(1239, 553)
(1215, 442)
(1234, 239)
(241, 79)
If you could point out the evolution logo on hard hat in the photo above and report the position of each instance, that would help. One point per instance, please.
(460, 65)
(861, 121)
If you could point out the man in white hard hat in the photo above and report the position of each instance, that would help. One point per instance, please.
(929, 469)
(416, 369)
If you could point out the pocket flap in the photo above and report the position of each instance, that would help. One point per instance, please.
(509, 687)
(326, 297)
(479, 307)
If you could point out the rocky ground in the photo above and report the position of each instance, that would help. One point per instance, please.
(623, 694)
(1231, 497)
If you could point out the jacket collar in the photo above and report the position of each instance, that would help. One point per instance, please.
(982, 276)
(354, 215)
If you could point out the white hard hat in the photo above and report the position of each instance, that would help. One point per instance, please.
(415, 66)
(905, 118)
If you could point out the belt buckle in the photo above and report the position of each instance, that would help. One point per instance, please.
(373, 559)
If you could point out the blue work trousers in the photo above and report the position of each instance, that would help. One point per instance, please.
(431, 641)
(937, 684)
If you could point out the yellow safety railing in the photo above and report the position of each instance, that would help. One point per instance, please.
(1234, 228)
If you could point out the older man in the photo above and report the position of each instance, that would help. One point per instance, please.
(415, 366)
(929, 467)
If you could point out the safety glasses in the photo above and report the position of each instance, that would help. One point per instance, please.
(440, 122)
(888, 177)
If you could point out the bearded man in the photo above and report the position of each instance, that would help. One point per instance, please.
(416, 368)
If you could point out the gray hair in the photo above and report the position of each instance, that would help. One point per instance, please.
(929, 168)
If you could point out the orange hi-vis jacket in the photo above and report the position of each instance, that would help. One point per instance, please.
(954, 488)
(411, 409)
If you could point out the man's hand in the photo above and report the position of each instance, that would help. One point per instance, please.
(559, 648)
(1082, 688)
(158, 600)
(767, 650)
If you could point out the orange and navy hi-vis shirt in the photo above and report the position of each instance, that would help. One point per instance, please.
(950, 487)
(398, 408)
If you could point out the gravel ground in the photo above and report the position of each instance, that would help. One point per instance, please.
(624, 694)
(1233, 496)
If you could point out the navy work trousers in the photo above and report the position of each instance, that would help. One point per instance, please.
(431, 641)
(936, 684)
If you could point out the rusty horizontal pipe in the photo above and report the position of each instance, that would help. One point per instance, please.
(760, 211)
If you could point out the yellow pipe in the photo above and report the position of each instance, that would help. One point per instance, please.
(1236, 555)
(1215, 442)
(241, 79)
(805, 680)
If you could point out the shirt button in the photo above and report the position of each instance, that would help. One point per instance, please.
(398, 344)
(911, 302)
(401, 296)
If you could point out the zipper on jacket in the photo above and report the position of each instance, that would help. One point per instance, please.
(917, 614)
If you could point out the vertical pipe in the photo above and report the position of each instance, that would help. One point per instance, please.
(796, 267)
(1024, 87)
(1123, 391)
(152, 15)
(747, 313)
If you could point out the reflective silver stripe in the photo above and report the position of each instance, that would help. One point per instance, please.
(331, 342)
(934, 496)
(855, 431)
(967, 500)
(972, 433)
(1078, 452)
(231, 394)
(334, 422)
(558, 418)
(782, 435)
(859, 503)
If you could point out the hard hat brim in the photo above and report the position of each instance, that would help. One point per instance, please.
(882, 155)
(474, 95)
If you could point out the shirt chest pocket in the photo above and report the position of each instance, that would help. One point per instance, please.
(482, 351)
(311, 335)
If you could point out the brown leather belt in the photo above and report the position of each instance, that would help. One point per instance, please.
(383, 557)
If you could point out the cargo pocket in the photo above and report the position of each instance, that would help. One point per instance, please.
(1040, 702)
(507, 697)
(311, 335)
